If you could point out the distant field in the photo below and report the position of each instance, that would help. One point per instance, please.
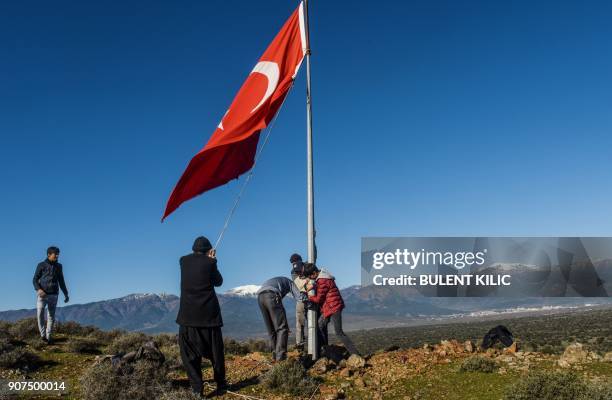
(545, 333)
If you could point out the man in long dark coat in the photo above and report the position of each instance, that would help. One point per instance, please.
(199, 315)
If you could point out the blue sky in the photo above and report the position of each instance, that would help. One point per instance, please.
(430, 118)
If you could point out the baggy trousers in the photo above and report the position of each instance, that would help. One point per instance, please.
(336, 319)
(300, 322)
(275, 318)
(49, 302)
(197, 342)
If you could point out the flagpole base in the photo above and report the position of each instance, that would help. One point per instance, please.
(313, 348)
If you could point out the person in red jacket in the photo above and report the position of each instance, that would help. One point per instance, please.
(328, 297)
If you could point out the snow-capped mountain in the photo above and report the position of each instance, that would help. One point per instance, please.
(245, 290)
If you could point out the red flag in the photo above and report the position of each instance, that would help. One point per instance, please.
(230, 151)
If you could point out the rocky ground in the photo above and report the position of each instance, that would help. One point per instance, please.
(445, 370)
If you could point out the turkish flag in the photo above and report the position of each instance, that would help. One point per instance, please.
(230, 151)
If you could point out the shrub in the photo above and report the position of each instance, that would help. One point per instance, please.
(232, 346)
(289, 377)
(603, 392)
(71, 328)
(5, 345)
(18, 357)
(83, 346)
(26, 328)
(478, 364)
(555, 385)
(36, 344)
(173, 356)
(257, 345)
(179, 394)
(548, 349)
(127, 342)
(105, 337)
(142, 380)
(5, 332)
(165, 339)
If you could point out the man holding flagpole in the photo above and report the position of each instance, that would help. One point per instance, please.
(231, 150)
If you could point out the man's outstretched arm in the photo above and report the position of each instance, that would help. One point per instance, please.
(62, 284)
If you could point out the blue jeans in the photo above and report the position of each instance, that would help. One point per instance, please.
(49, 302)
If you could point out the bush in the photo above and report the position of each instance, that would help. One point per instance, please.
(289, 377)
(26, 328)
(603, 392)
(165, 340)
(179, 394)
(36, 344)
(18, 357)
(5, 332)
(257, 345)
(71, 328)
(548, 349)
(478, 364)
(556, 385)
(127, 342)
(173, 356)
(5, 345)
(231, 346)
(105, 337)
(83, 346)
(234, 347)
(142, 380)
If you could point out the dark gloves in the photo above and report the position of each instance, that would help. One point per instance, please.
(66, 299)
(309, 305)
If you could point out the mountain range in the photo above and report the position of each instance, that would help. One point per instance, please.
(366, 308)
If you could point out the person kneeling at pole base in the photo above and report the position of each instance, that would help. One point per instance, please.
(328, 297)
(199, 315)
(270, 299)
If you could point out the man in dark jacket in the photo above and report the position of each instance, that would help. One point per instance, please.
(270, 299)
(328, 297)
(199, 315)
(48, 279)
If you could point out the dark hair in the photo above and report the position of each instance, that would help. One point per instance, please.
(53, 250)
(309, 269)
(295, 257)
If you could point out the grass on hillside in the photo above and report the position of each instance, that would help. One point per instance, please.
(76, 348)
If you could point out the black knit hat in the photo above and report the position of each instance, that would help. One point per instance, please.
(201, 245)
(295, 257)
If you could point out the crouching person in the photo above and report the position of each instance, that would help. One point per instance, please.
(328, 297)
(48, 279)
(270, 299)
(199, 316)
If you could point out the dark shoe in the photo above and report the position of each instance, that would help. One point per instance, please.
(222, 388)
(44, 339)
(49, 341)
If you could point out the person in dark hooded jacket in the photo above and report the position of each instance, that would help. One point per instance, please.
(199, 315)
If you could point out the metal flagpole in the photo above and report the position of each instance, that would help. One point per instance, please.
(312, 251)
